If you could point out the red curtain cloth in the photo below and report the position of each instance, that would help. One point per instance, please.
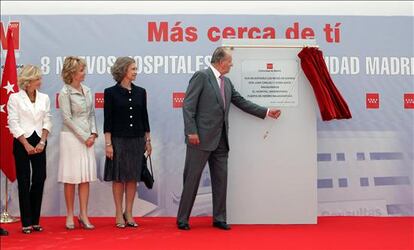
(331, 104)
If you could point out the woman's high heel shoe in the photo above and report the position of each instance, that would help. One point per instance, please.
(85, 225)
(120, 225)
(70, 225)
(130, 224)
(37, 228)
(27, 230)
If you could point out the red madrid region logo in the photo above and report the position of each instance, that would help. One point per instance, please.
(409, 100)
(269, 65)
(178, 99)
(372, 101)
(99, 100)
(15, 27)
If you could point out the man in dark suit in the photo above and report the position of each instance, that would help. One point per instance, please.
(206, 110)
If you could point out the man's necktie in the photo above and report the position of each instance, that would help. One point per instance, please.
(222, 90)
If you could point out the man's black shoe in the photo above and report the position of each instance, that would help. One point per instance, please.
(221, 225)
(183, 226)
(3, 232)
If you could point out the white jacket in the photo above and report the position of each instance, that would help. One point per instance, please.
(24, 117)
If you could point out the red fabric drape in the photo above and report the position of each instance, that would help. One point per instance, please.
(331, 104)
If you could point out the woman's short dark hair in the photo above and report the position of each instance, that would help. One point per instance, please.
(120, 67)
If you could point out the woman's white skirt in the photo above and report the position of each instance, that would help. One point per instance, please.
(77, 163)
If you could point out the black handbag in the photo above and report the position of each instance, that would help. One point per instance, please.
(146, 176)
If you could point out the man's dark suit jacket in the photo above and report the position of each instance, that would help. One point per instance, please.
(204, 111)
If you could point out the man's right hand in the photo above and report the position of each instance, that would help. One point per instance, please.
(193, 139)
(274, 113)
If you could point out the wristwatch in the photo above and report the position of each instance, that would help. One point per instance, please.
(42, 143)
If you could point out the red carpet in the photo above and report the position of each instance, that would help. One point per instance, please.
(161, 233)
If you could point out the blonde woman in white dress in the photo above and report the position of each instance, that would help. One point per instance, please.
(77, 163)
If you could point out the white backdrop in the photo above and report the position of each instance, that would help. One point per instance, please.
(273, 180)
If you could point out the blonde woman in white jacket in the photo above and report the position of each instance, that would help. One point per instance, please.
(29, 121)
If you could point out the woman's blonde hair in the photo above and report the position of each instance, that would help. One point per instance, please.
(120, 67)
(27, 74)
(70, 66)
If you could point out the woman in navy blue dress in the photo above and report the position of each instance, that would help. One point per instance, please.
(127, 137)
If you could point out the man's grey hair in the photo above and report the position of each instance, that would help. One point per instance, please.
(219, 54)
